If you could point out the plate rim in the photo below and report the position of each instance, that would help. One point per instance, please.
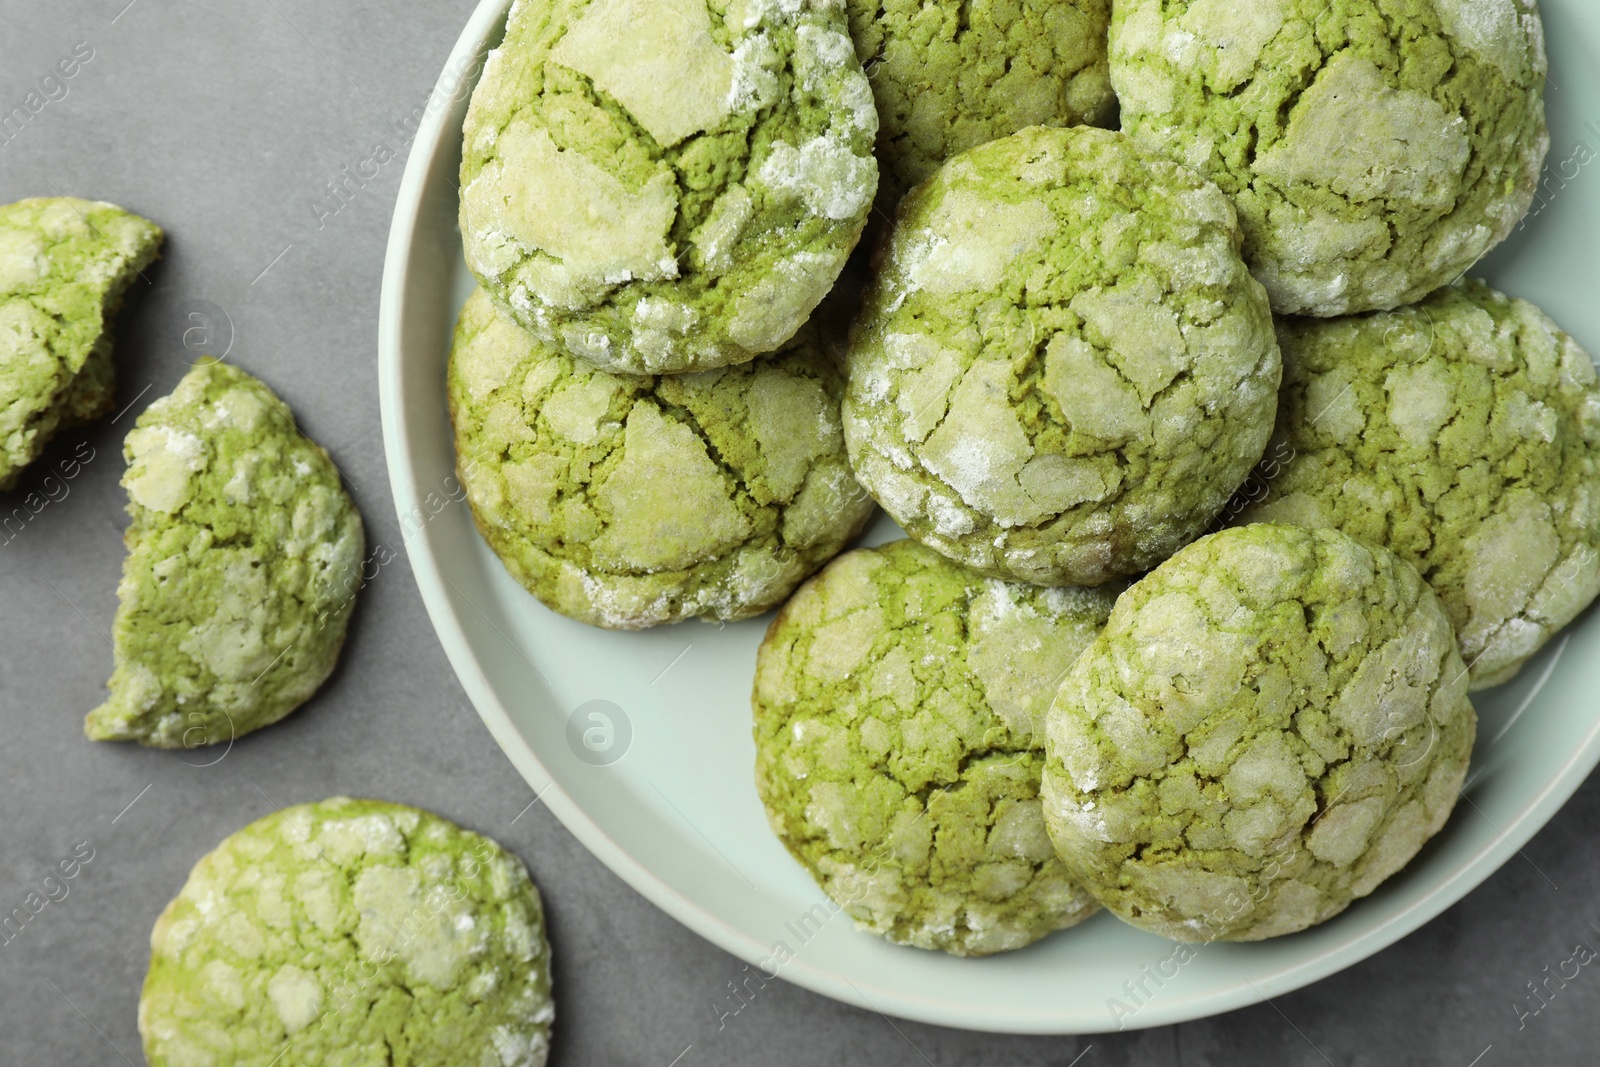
(445, 619)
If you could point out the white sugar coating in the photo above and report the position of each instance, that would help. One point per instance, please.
(1492, 28)
(162, 461)
(971, 240)
(824, 172)
(1369, 138)
(658, 58)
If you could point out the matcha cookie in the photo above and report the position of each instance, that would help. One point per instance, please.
(1463, 435)
(1273, 722)
(350, 932)
(64, 265)
(1063, 369)
(951, 75)
(628, 501)
(899, 704)
(657, 186)
(244, 558)
(1375, 150)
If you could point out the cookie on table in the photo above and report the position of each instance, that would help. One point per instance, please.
(1462, 434)
(659, 186)
(64, 266)
(244, 557)
(1272, 723)
(350, 931)
(1063, 369)
(627, 501)
(950, 75)
(1375, 150)
(899, 704)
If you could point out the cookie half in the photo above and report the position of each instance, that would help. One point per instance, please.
(244, 558)
(64, 266)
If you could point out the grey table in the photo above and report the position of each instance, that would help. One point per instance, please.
(231, 122)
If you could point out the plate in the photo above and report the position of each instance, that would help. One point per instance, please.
(641, 743)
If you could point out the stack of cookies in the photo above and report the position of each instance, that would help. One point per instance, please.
(1223, 487)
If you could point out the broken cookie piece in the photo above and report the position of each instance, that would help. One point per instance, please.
(244, 557)
(64, 265)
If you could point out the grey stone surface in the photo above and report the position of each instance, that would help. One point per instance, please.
(223, 120)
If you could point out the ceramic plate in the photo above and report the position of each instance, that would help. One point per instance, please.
(641, 743)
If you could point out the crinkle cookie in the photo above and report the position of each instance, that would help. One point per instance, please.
(64, 265)
(350, 932)
(1063, 369)
(1463, 435)
(627, 501)
(657, 186)
(1375, 150)
(244, 558)
(1273, 722)
(950, 75)
(899, 705)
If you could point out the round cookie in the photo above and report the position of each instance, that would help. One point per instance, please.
(628, 501)
(1272, 723)
(898, 721)
(64, 265)
(244, 558)
(350, 932)
(1375, 150)
(1063, 369)
(658, 186)
(1463, 435)
(950, 75)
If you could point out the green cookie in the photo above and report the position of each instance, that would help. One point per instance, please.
(628, 501)
(1273, 722)
(244, 558)
(64, 265)
(657, 186)
(899, 704)
(1376, 149)
(951, 75)
(346, 934)
(1462, 434)
(1063, 369)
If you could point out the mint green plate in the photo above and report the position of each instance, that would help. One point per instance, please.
(662, 791)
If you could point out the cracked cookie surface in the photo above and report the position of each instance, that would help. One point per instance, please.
(64, 266)
(899, 705)
(951, 75)
(1375, 149)
(1063, 369)
(1272, 723)
(345, 933)
(659, 186)
(244, 558)
(627, 501)
(1462, 434)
